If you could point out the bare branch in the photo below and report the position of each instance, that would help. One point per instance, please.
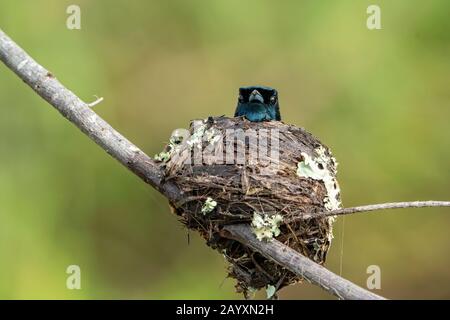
(373, 207)
(79, 113)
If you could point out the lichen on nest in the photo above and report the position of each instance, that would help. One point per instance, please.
(224, 181)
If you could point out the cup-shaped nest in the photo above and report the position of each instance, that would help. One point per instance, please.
(267, 174)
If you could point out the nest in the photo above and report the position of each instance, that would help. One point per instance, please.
(225, 181)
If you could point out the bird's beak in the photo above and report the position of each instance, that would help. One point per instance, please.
(256, 96)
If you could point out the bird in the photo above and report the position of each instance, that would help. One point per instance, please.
(258, 103)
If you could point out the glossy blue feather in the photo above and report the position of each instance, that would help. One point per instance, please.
(257, 104)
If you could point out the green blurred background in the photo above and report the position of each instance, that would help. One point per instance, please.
(380, 99)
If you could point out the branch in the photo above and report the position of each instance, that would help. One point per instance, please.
(80, 114)
(372, 207)
(300, 265)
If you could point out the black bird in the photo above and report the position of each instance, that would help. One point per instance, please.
(258, 103)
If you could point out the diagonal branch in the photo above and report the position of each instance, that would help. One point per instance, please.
(300, 265)
(79, 113)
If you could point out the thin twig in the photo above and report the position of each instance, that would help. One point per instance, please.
(96, 102)
(371, 207)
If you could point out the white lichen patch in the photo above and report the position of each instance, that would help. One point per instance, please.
(209, 205)
(201, 133)
(178, 136)
(176, 139)
(197, 136)
(309, 168)
(322, 168)
(270, 291)
(212, 136)
(163, 156)
(266, 227)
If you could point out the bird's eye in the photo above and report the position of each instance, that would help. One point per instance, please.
(240, 98)
(273, 99)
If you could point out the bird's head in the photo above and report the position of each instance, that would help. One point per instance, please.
(255, 97)
(258, 94)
